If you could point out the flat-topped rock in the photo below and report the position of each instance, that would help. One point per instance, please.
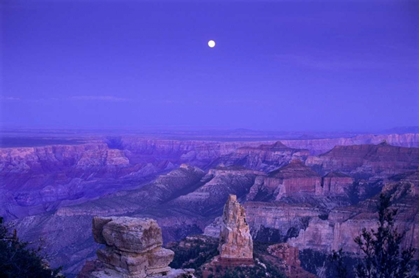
(158, 260)
(133, 249)
(135, 235)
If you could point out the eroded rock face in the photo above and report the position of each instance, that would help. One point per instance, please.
(132, 234)
(294, 178)
(336, 183)
(343, 224)
(213, 230)
(379, 160)
(133, 249)
(289, 257)
(235, 238)
(318, 146)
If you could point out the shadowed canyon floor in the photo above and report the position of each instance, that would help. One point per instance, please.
(310, 193)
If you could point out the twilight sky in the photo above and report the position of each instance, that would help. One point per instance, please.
(277, 65)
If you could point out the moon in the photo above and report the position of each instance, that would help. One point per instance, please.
(211, 43)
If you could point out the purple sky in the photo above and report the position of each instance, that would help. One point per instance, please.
(277, 65)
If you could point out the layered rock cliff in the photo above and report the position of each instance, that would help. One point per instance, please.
(336, 183)
(40, 179)
(217, 184)
(366, 161)
(289, 257)
(53, 191)
(133, 250)
(343, 224)
(318, 146)
(264, 157)
(291, 179)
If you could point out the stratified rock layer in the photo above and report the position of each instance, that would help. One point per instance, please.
(289, 257)
(294, 178)
(133, 249)
(235, 238)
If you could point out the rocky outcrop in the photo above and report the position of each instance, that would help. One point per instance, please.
(343, 224)
(213, 229)
(289, 257)
(133, 250)
(275, 222)
(294, 178)
(235, 241)
(235, 238)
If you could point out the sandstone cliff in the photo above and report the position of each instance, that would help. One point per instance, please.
(264, 157)
(289, 257)
(291, 179)
(40, 179)
(336, 183)
(366, 161)
(343, 224)
(53, 191)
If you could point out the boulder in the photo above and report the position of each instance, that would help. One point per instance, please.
(136, 235)
(98, 224)
(133, 249)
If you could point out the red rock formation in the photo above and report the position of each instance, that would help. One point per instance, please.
(288, 180)
(380, 160)
(279, 216)
(289, 257)
(62, 181)
(39, 176)
(345, 223)
(235, 239)
(336, 183)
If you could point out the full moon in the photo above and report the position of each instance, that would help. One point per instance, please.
(211, 43)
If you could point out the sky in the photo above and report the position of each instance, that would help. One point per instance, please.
(277, 65)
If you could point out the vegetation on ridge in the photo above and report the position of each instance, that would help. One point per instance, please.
(18, 260)
(195, 251)
(383, 254)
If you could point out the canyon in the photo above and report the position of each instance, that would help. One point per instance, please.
(309, 193)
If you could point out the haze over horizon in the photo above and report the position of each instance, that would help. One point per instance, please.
(277, 65)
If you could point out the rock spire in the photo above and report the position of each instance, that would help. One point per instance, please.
(235, 239)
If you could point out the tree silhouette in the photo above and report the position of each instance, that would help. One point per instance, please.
(18, 260)
(383, 255)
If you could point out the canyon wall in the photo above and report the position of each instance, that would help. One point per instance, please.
(52, 192)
